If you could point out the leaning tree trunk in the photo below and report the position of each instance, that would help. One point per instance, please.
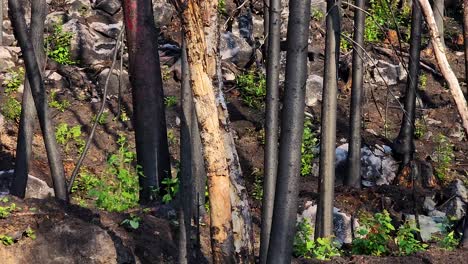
(439, 6)
(271, 123)
(148, 96)
(292, 127)
(353, 178)
(444, 65)
(40, 99)
(465, 35)
(404, 143)
(28, 112)
(324, 219)
(202, 68)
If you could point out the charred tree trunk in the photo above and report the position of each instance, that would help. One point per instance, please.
(185, 197)
(354, 156)
(292, 127)
(40, 99)
(266, 26)
(439, 7)
(465, 35)
(326, 189)
(271, 125)
(404, 143)
(148, 96)
(1, 22)
(28, 112)
(202, 69)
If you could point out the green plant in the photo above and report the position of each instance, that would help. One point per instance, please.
(6, 240)
(222, 7)
(252, 86)
(132, 222)
(11, 109)
(123, 115)
(166, 73)
(345, 45)
(171, 188)
(171, 138)
(66, 135)
(59, 105)
(85, 182)
(449, 241)
(317, 14)
(13, 80)
(443, 157)
(5, 211)
(309, 141)
(170, 101)
(305, 246)
(374, 235)
(103, 119)
(257, 192)
(117, 189)
(405, 240)
(58, 45)
(385, 14)
(420, 129)
(422, 81)
(29, 232)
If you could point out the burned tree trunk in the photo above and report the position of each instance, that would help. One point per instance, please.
(465, 36)
(292, 127)
(28, 112)
(324, 220)
(1, 22)
(438, 7)
(404, 143)
(148, 97)
(40, 99)
(202, 68)
(354, 157)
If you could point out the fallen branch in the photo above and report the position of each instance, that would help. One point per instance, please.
(444, 65)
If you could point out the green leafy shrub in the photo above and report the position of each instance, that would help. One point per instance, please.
(14, 80)
(5, 211)
(305, 246)
(11, 109)
(257, 191)
(171, 188)
(103, 119)
(406, 242)
(66, 135)
(85, 182)
(382, 18)
(443, 157)
(58, 45)
(117, 189)
(29, 232)
(132, 222)
(252, 86)
(420, 129)
(374, 235)
(59, 105)
(449, 241)
(170, 101)
(309, 142)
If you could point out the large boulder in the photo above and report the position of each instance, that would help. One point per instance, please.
(163, 12)
(109, 6)
(235, 49)
(314, 90)
(8, 58)
(114, 80)
(35, 188)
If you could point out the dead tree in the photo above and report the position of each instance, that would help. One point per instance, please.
(40, 99)
(1, 22)
(271, 123)
(148, 96)
(28, 112)
(292, 128)
(465, 35)
(353, 178)
(444, 65)
(439, 7)
(324, 220)
(404, 143)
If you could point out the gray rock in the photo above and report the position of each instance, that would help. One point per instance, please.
(455, 208)
(429, 204)
(55, 18)
(235, 49)
(79, 8)
(8, 58)
(341, 222)
(391, 73)
(113, 88)
(35, 188)
(109, 6)
(163, 12)
(458, 188)
(105, 24)
(429, 226)
(314, 90)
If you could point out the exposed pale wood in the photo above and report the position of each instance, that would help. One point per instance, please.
(444, 65)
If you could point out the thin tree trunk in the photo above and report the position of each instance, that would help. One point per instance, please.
(148, 96)
(202, 68)
(464, 241)
(354, 156)
(266, 26)
(444, 65)
(1, 22)
(404, 143)
(28, 112)
(324, 220)
(292, 128)
(186, 178)
(439, 7)
(198, 170)
(271, 124)
(465, 35)
(40, 99)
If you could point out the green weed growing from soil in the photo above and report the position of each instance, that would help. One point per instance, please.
(133, 222)
(309, 141)
(14, 80)
(171, 188)
(374, 235)
(170, 101)
(60, 105)
(305, 246)
(382, 16)
(6, 240)
(406, 241)
(252, 87)
(11, 108)
(67, 136)
(443, 157)
(58, 45)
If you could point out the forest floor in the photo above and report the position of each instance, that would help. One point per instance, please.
(382, 117)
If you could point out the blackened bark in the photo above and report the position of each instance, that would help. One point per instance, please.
(40, 99)
(354, 156)
(404, 143)
(324, 220)
(465, 35)
(1, 22)
(148, 97)
(271, 124)
(28, 112)
(292, 127)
